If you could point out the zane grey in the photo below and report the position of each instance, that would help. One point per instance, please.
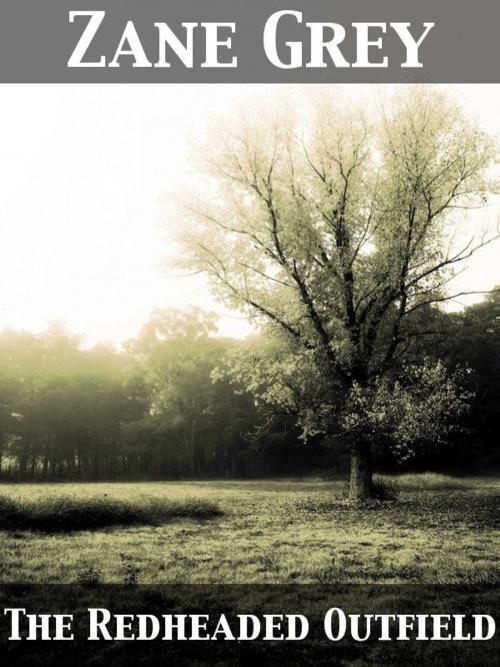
(365, 43)
(412, 46)
(270, 46)
(212, 43)
(76, 58)
(319, 44)
(130, 44)
(183, 52)
(136, 49)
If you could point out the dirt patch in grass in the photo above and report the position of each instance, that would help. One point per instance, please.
(60, 514)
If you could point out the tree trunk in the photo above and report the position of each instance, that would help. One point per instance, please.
(34, 461)
(46, 457)
(79, 461)
(23, 465)
(360, 484)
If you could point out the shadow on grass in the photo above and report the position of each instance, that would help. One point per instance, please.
(62, 514)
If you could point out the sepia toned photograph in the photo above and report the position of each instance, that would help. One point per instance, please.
(250, 334)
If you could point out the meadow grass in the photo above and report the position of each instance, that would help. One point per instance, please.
(441, 530)
(60, 513)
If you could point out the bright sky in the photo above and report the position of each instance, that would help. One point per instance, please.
(82, 171)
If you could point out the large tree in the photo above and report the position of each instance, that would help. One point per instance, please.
(336, 232)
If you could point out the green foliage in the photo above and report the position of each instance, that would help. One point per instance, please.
(69, 513)
(337, 236)
(424, 406)
(151, 410)
(194, 422)
(64, 405)
(181, 402)
(473, 342)
(422, 403)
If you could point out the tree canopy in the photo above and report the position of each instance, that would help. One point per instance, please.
(335, 234)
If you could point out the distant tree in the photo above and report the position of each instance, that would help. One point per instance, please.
(62, 407)
(152, 410)
(335, 235)
(191, 417)
(473, 342)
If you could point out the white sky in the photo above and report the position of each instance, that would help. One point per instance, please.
(82, 170)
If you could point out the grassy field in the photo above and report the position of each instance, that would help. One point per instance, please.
(442, 530)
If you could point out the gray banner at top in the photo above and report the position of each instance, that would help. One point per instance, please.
(37, 40)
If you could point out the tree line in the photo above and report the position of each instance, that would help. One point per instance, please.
(166, 406)
(150, 410)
